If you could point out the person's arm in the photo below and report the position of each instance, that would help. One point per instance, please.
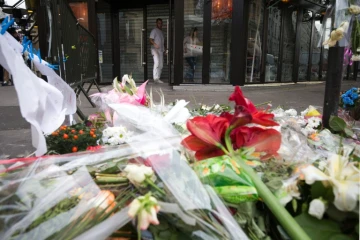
(152, 37)
(184, 44)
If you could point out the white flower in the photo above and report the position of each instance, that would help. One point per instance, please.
(278, 113)
(216, 107)
(308, 130)
(355, 58)
(314, 122)
(146, 209)
(291, 112)
(138, 173)
(317, 208)
(288, 191)
(116, 135)
(354, 9)
(344, 178)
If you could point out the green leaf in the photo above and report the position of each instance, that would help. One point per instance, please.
(348, 132)
(318, 229)
(341, 237)
(319, 190)
(337, 124)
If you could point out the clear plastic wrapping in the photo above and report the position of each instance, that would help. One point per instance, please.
(65, 196)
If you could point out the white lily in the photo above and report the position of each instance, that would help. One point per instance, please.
(288, 191)
(146, 209)
(344, 178)
(137, 174)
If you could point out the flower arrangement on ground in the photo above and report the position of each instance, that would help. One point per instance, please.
(228, 173)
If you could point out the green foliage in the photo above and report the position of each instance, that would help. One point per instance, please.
(318, 229)
(339, 125)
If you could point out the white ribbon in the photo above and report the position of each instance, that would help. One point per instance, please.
(42, 104)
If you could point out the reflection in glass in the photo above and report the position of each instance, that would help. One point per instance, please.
(130, 33)
(288, 45)
(316, 52)
(220, 41)
(105, 46)
(80, 10)
(254, 49)
(220, 52)
(192, 41)
(273, 44)
(305, 33)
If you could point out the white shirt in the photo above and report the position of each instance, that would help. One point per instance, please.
(158, 37)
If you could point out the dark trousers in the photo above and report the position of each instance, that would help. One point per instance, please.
(1, 74)
(191, 71)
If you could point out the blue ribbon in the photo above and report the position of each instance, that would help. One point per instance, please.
(55, 67)
(38, 54)
(31, 50)
(6, 24)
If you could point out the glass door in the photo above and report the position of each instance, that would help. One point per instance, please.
(154, 12)
(132, 43)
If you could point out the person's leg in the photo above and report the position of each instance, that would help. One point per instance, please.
(1, 74)
(6, 78)
(192, 63)
(156, 63)
(161, 63)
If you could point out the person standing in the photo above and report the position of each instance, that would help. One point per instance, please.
(190, 57)
(157, 50)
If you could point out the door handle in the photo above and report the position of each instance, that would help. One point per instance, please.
(141, 48)
(167, 40)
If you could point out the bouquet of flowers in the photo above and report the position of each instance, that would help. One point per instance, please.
(73, 138)
(234, 173)
(350, 102)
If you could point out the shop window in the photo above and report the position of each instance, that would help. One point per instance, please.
(193, 41)
(220, 41)
(273, 44)
(254, 48)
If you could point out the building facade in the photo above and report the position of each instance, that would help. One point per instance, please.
(239, 41)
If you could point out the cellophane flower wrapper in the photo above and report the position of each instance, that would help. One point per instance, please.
(340, 10)
(57, 197)
(342, 15)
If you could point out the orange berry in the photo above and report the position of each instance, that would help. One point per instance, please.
(76, 137)
(54, 134)
(93, 129)
(91, 133)
(65, 136)
(73, 131)
(74, 149)
(94, 135)
(81, 131)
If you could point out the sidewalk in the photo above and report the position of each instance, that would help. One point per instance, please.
(15, 136)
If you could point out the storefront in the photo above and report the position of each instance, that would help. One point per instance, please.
(237, 42)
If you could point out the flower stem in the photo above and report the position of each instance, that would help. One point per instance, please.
(282, 215)
(152, 184)
(138, 230)
(260, 104)
(101, 179)
(228, 141)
